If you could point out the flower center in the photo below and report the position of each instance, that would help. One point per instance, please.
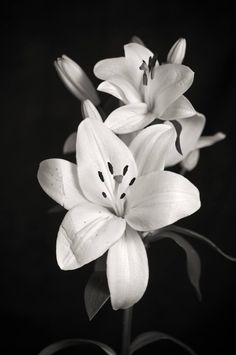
(117, 196)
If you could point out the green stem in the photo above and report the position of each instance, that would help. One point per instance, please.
(126, 335)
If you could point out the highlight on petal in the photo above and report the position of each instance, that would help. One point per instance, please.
(177, 52)
(129, 118)
(127, 270)
(150, 147)
(59, 179)
(113, 90)
(191, 160)
(106, 68)
(87, 232)
(169, 83)
(206, 141)
(89, 110)
(100, 156)
(76, 80)
(192, 128)
(70, 143)
(181, 108)
(159, 199)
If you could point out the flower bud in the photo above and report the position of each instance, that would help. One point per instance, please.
(177, 52)
(75, 79)
(136, 39)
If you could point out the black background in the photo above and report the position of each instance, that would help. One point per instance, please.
(42, 304)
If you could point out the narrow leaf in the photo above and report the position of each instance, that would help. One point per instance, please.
(64, 344)
(96, 293)
(193, 259)
(151, 337)
(198, 236)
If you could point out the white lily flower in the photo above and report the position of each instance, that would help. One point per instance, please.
(147, 89)
(110, 198)
(177, 52)
(191, 142)
(76, 80)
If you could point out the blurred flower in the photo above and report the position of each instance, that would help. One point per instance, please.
(110, 197)
(76, 80)
(177, 52)
(191, 142)
(147, 89)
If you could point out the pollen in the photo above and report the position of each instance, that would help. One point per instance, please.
(104, 194)
(122, 195)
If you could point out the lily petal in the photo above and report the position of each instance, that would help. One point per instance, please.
(169, 83)
(191, 160)
(76, 80)
(89, 110)
(181, 108)
(70, 143)
(159, 199)
(59, 179)
(122, 67)
(150, 147)
(192, 128)
(129, 118)
(100, 156)
(128, 88)
(87, 232)
(206, 141)
(137, 53)
(113, 90)
(127, 270)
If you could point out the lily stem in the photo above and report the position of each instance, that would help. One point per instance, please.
(126, 335)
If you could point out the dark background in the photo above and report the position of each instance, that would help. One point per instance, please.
(40, 303)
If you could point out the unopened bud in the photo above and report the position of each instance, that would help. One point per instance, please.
(136, 39)
(76, 80)
(177, 52)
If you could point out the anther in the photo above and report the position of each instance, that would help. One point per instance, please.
(122, 195)
(144, 67)
(110, 167)
(125, 170)
(101, 176)
(104, 194)
(151, 65)
(132, 181)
